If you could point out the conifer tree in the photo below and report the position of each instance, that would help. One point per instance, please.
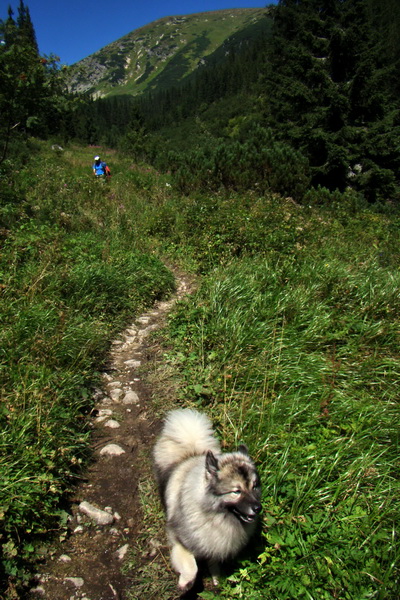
(32, 92)
(326, 83)
(26, 31)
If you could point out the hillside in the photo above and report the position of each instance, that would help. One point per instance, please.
(289, 343)
(164, 52)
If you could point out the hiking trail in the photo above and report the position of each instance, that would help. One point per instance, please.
(105, 512)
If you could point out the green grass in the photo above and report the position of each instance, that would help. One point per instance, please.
(290, 344)
(297, 356)
(73, 271)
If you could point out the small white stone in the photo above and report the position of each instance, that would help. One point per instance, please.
(164, 306)
(106, 401)
(121, 552)
(38, 590)
(143, 320)
(78, 529)
(132, 363)
(112, 450)
(116, 394)
(75, 581)
(64, 558)
(101, 517)
(103, 414)
(130, 397)
(112, 424)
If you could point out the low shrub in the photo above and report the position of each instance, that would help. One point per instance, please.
(257, 162)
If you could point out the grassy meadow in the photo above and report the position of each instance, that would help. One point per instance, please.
(74, 270)
(290, 343)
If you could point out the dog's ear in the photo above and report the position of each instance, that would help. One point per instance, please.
(211, 463)
(243, 450)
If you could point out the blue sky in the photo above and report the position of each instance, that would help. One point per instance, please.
(74, 29)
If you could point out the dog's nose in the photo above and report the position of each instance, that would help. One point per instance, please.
(257, 508)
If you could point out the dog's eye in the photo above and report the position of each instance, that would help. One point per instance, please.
(236, 492)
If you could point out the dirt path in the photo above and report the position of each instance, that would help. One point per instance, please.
(87, 564)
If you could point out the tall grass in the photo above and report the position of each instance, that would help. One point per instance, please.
(297, 355)
(74, 269)
(291, 343)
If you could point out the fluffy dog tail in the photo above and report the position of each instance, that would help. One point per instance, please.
(185, 433)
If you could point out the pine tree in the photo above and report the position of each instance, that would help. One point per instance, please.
(32, 91)
(26, 31)
(327, 90)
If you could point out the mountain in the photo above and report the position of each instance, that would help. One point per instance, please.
(165, 52)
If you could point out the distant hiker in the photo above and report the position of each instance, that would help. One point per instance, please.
(100, 168)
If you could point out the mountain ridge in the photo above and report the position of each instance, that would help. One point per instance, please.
(162, 53)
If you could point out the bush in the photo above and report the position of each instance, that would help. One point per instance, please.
(257, 163)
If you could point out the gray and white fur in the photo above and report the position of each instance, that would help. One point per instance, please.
(211, 499)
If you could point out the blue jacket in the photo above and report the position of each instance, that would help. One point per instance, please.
(99, 168)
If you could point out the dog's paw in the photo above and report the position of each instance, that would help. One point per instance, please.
(214, 568)
(184, 585)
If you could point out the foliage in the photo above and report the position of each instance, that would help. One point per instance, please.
(331, 96)
(73, 271)
(322, 81)
(33, 96)
(254, 160)
(297, 356)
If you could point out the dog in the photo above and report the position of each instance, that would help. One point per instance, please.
(211, 499)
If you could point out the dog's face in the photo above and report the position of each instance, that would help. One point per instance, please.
(234, 482)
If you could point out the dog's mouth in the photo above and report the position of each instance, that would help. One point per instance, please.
(244, 517)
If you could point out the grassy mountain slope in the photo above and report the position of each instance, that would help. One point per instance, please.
(162, 53)
(290, 344)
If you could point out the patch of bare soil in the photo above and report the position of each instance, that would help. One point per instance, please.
(88, 564)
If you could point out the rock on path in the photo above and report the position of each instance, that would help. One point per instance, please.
(101, 517)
